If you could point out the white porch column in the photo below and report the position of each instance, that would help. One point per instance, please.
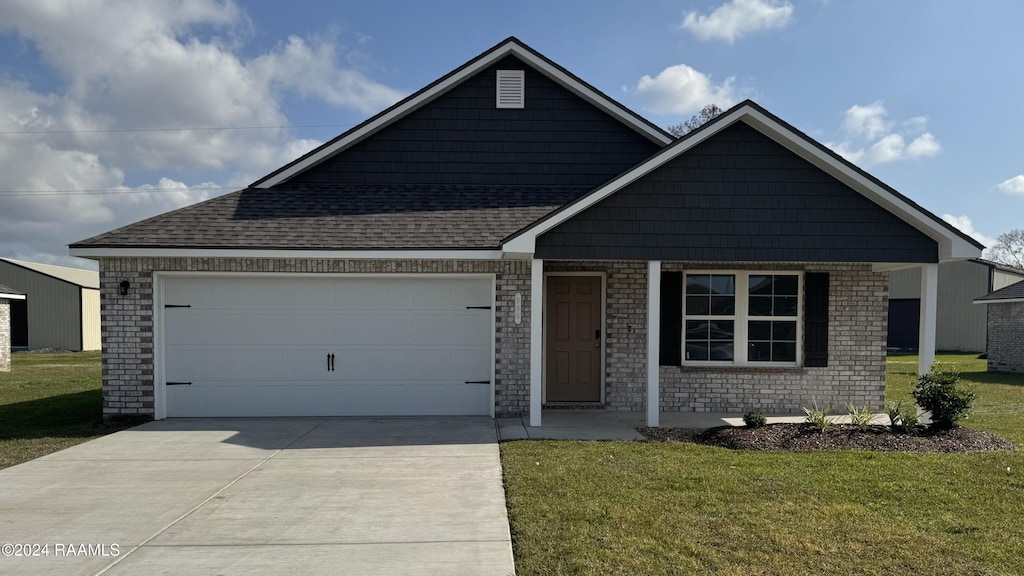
(536, 339)
(653, 341)
(929, 308)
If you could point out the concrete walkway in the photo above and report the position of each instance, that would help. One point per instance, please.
(265, 496)
(617, 425)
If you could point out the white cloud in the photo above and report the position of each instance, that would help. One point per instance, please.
(1014, 185)
(680, 89)
(964, 224)
(923, 145)
(872, 138)
(738, 18)
(311, 70)
(868, 121)
(129, 64)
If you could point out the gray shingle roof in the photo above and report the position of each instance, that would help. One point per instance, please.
(1011, 292)
(345, 217)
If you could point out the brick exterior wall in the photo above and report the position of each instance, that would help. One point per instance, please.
(127, 326)
(858, 315)
(857, 334)
(1006, 336)
(5, 335)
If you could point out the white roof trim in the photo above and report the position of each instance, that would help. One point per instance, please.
(312, 254)
(999, 301)
(951, 245)
(7, 296)
(510, 47)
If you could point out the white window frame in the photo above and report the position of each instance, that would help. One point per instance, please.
(741, 317)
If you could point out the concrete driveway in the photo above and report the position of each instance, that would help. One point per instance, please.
(264, 496)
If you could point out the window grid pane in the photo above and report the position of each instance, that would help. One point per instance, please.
(771, 341)
(771, 317)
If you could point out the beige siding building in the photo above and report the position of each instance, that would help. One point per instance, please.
(61, 309)
(961, 325)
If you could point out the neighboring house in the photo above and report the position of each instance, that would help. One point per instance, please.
(1005, 309)
(961, 326)
(61, 309)
(510, 237)
(7, 295)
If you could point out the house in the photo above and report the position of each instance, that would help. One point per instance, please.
(7, 295)
(960, 325)
(61, 308)
(1005, 308)
(507, 238)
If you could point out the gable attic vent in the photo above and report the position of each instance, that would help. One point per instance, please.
(511, 89)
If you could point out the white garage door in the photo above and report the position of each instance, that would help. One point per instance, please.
(259, 345)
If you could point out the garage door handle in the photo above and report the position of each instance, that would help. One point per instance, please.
(478, 382)
(178, 383)
(330, 362)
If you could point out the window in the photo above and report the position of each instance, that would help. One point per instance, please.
(710, 309)
(742, 318)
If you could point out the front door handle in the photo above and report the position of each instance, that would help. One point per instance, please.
(597, 336)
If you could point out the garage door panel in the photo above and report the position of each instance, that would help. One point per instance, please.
(272, 364)
(258, 346)
(243, 399)
(361, 293)
(211, 327)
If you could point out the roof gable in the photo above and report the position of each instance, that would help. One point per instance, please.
(463, 138)
(510, 47)
(737, 196)
(952, 244)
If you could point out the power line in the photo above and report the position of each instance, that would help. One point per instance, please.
(101, 191)
(195, 129)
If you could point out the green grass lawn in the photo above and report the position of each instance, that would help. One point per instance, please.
(47, 403)
(675, 508)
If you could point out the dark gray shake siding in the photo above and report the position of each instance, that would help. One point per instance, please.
(739, 196)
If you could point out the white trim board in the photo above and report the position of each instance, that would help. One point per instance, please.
(510, 47)
(305, 254)
(951, 245)
(6, 296)
(1000, 301)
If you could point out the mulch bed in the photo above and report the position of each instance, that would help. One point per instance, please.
(804, 437)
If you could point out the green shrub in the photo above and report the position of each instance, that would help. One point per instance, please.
(892, 410)
(909, 419)
(860, 417)
(754, 419)
(941, 394)
(818, 417)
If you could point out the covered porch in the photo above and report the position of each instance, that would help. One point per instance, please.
(647, 371)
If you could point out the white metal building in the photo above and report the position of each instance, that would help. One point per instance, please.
(61, 309)
(960, 324)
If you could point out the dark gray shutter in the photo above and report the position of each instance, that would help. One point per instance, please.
(671, 353)
(816, 319)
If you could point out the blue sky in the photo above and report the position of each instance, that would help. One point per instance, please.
(927, 96)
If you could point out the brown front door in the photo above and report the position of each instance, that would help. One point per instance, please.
(573, 339)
